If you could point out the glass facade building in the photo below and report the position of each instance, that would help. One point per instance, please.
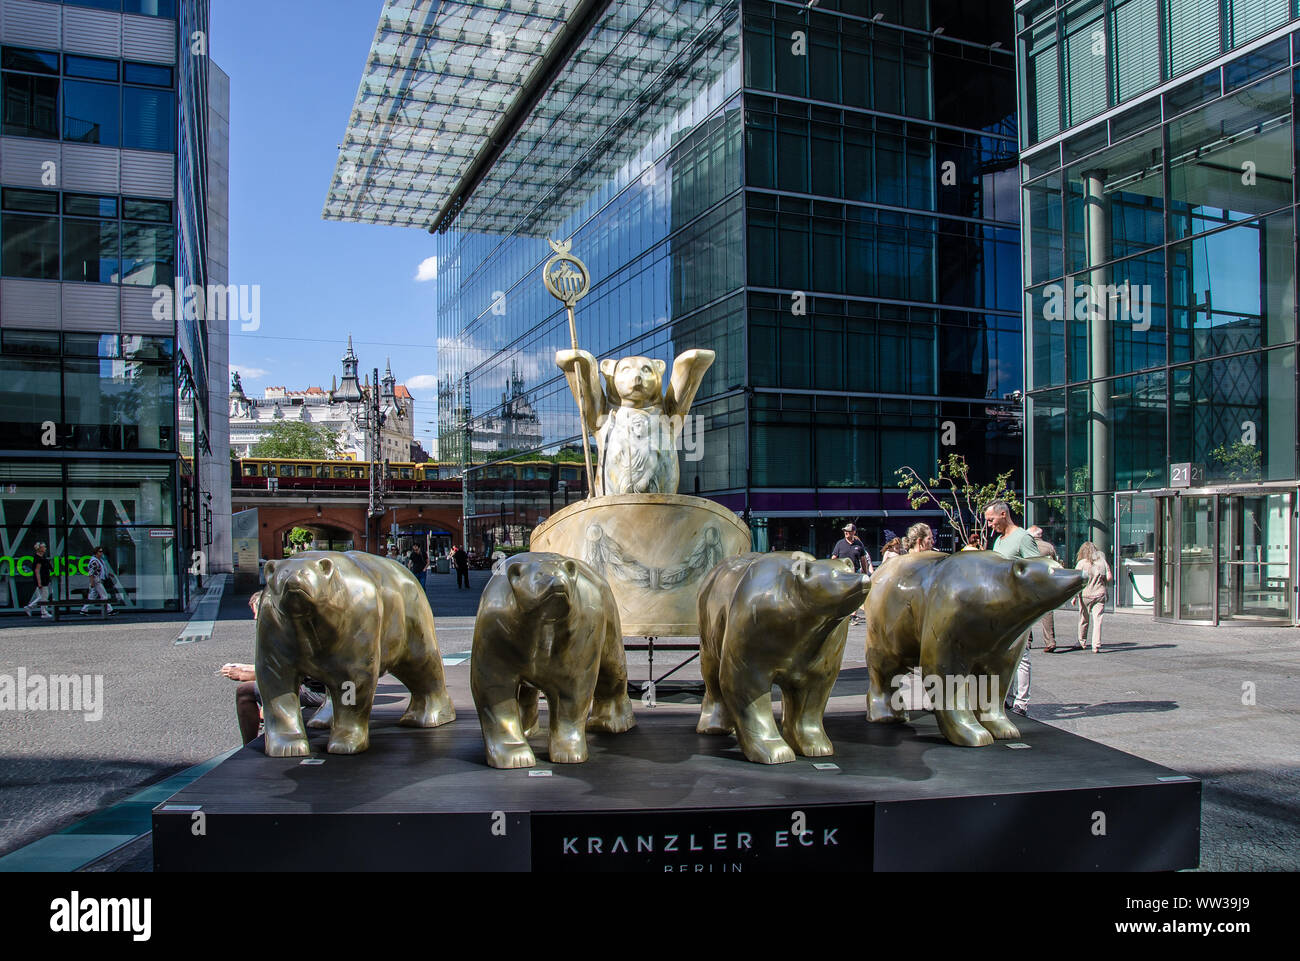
(1159, 241)
(102, 200)
(825, 196)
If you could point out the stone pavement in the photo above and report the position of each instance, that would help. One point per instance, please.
(1169, 694)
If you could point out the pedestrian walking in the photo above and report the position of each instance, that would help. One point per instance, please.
(460, 560)
(419, 565)
(98, 576)
(1048, 624)
(850, 546)
(1013, 541)
(1091, 601)
(42, 571)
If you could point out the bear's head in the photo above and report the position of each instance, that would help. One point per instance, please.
(829, 586)
(542, 583)
(302, 584)
(1038, 586)
(634, 381)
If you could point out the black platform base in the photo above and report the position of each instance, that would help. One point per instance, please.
(662, 798)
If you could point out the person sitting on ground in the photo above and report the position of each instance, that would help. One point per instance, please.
(248, 699)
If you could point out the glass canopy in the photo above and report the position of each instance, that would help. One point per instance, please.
(441, 76)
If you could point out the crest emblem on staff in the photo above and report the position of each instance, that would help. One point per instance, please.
(568, 281)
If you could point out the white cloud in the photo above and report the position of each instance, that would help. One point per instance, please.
(250, 372)
(428, 270)
(422, 382)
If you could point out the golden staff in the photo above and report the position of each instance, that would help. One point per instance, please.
(566, 277)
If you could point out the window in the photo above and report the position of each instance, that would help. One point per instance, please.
(31, 106)
(91, 113)
(90, 251)
(149, 119)
(151, 8)
(1135, 27)
(148, 254)
(29, 61)
(1191, 33)
(1085, 64)
(147, 74)
(92, 68)
(31, 246)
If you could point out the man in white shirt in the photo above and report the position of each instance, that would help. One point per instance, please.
(98, 573)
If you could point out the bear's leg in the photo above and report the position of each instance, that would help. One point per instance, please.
(993, 714)
(611, 710)
(528, 713)
(568, 714)
(353, 697)
(747, 693)
(884, 673)
(496, 694)
(714, 716)
(421, 671)
(803, 708)
(955, 704)
(277, 682)
(324, 715)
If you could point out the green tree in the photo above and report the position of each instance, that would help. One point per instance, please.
(1240, 461)
(295, 438)
(953, 492)
(300, 537)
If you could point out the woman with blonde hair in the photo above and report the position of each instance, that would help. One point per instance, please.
(919, 538)
(1091, 601)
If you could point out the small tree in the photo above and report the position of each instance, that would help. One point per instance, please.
(300, 537)
(295, 438)
(1240, 461)
(961, 500)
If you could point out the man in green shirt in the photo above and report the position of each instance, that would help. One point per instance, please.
(1013, 541)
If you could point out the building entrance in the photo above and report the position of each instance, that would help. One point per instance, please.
(1225, 554)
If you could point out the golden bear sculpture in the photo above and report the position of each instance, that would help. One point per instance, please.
(547, 622)
(639, 422)
(775, 618)
(345, 619)
(961, 618)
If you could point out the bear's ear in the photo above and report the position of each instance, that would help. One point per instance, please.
(326, 566)
(571, 568)
(660, 366)
(513, 571)
(607, 366)
(267, 570)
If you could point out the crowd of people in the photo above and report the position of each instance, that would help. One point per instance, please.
(1003, 536)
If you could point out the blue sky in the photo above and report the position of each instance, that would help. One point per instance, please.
(294, 67)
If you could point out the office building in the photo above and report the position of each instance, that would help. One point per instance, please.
(825, 196)
(1158, 164)
(103, 202)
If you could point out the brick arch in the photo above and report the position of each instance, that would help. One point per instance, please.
(448, 519)
(272, 536)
